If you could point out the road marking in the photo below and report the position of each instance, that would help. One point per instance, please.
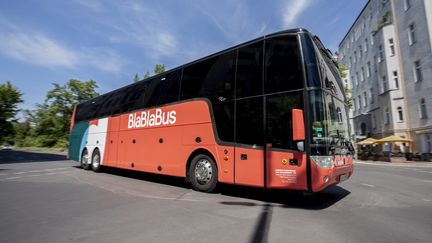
(426, 171)
(427, 180)
(394, 164)
(34, 171)
(427, 200)
(35, 175)
(368, 185)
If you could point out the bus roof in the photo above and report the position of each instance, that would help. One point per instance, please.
(275, 34)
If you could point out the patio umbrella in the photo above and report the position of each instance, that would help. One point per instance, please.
(394, 138)
(367, 141)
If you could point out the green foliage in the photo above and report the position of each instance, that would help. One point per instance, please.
(342, 70)
(159, 68)
(48, 125)
(136, 78)
(147, 75)
(10, 97)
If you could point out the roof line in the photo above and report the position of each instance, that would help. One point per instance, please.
(352, 26)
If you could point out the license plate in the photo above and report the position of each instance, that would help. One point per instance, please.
(340, 162)
(343, 177)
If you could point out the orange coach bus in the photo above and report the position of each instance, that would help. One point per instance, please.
(267, 113)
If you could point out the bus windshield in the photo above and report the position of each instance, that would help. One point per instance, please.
(329, 117)
(329, 125)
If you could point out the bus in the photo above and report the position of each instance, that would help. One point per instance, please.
(267, 113)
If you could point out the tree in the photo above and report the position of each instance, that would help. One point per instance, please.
(10, 97)
(136, 78)
(159, 68)
(342, 70)
(348, 91)
(147, 75)
(52, 118)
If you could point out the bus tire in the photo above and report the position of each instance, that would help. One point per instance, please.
(203, 173)
(85, 163)
(96, 161)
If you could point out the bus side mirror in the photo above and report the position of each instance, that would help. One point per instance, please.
(298, 125)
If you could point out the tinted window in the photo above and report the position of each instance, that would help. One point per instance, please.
(212, 78)
(224, 118)
(249, 121)
(249, 70)
(133, 97)
(279, 119)
(282, 64)
(164, 89)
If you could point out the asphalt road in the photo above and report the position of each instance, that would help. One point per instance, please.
(46, 198)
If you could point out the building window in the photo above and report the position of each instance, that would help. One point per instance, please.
(386, 116)
(396, 79)
(384, 84)
(357, 79)
(400, 113)
(360, 51)
(355, 56)
(375, 64)
(364, 99)
(422, 109)
(362, 74)
(339, 114)
(354, 104)
(392, 47)
(350, 62)
(366, 45)
(371, 39)
(381, 54)
(407, 4)
(373, 121)
(371, 98)
(368, 70)
(411, 34)
(418, 76)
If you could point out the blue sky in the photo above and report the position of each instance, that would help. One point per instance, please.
(51, 41)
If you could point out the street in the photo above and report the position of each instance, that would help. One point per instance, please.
(47, 198)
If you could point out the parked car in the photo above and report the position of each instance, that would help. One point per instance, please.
(6, 147)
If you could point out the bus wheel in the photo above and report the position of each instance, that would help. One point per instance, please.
(85, 163)
(95, 164)
(203, 173)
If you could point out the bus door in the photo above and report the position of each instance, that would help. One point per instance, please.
(285, 137)
(249, 146)
(112, 141)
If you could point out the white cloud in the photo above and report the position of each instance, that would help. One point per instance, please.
(292, 11)
(93, 5)
(39, 49)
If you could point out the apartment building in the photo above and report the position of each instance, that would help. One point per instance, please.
(387, 52)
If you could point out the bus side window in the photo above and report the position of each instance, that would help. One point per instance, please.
(165, 89)
(282, 64)
(249, 121)
(212, 78)
(249, 70)
(279, 119)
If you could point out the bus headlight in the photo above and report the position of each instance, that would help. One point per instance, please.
(323, 161)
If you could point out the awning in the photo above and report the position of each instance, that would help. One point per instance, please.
(394, 138)
(367, 141)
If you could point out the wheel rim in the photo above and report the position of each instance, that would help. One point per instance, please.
(203, 171)
(96, 161)
(85, 158)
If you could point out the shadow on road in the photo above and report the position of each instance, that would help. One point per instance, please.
(156, 178)
(286, 199)
(15, 156)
